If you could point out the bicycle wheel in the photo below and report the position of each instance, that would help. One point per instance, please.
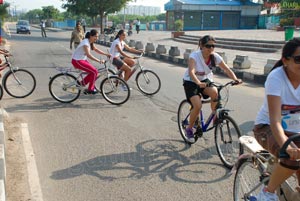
(115, 90)
(101, 77)
(148, 82)
(227, 135)
(19, 83)
(247, 180)
(1, 92)
(183, 116)
(63, 88)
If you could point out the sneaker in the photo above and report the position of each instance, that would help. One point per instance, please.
(266, 196)
(124, 88)
(189, 135)
(86, 92)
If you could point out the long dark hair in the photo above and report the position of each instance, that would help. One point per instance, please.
(119, 33)
(90, 33)
(287, 51)
(203, 40)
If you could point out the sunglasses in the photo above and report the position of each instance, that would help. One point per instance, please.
(296, 59)
(209, 46)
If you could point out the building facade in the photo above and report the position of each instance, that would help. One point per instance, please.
(213, 14)
(140, 10)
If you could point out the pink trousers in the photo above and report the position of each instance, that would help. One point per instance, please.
(84, 65)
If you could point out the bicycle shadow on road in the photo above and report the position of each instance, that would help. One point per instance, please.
(162, 158)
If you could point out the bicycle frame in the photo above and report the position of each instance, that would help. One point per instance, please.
(134, 68)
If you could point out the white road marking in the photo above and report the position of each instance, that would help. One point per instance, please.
(33, 177)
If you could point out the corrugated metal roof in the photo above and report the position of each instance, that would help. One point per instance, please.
(217, 2)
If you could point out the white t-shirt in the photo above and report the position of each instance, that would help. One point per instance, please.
(113, 49)
(203, 71)
(79, 53)
(278, 84)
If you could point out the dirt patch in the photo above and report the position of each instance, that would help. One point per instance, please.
(17, 187)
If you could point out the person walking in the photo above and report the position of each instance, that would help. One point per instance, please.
(43, 28)
(137, 25)
(77, 35)
(83, 23)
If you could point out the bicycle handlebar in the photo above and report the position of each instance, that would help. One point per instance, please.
(232, 83)
(282, 152)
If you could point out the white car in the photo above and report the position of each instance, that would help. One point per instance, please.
(23, 26)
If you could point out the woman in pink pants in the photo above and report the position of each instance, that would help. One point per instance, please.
(79, 60)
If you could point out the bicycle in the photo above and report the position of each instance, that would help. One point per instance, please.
(254, 169)
(146, 79)
(65, 87)
(17, 82)
(226, 130)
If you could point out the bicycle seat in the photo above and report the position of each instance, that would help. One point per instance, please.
(251, 144)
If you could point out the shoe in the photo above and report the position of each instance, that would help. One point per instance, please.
(189, 135)
(265, 196)
(86, 92)
(124, 88)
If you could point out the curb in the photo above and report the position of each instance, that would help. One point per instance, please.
(2, 158)
(245, 76)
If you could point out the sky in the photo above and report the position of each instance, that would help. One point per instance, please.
(26, 5)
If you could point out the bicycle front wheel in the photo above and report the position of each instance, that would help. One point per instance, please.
(115, 90)
(148, 82)
(227, 135)
(19, 83)
(101, 77)
(183, 116)
(64, 88)
(1, 92)
(247, 180)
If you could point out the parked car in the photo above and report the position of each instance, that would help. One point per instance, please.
(23, 26)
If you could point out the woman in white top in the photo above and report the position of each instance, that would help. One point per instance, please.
(279, 116)
(198, 76)
(119, 58)
(79, 59)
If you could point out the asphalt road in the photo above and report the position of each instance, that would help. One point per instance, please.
(91, 150)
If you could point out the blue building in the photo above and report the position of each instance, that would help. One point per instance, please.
(213, 14)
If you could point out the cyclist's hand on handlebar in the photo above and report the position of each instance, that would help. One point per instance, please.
(238, 81)
(203, 84)
(294, 153)
(101, 61)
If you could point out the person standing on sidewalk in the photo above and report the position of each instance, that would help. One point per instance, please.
(43, 28)
(137, 25)
(77, 35)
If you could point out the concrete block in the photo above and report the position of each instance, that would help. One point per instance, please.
(241, 62)
(174, 51)
(139, 45)
(270, 64)
(161, 49)
(149, 47)
(187, 53)
(131, 43)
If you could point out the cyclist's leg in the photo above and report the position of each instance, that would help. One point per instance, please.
(264, 136)
(212, 92)
(90, 69)
(192, 94)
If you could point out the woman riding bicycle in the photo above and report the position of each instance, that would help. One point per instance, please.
(119, 58)
(279, 117)
(198, 76)
(79, 60)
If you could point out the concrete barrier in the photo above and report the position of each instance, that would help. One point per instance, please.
(161, 49)
(131, 43)
(222, 54)
(139, 45)
(149, 47)
(270, 64)
(174, 51)
(241, 62)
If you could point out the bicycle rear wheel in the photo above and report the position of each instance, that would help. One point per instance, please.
(183, 116)
(227, 135)
(64, 88)
(247, 180)
(115, 90)
(148, 82)
(19, 83)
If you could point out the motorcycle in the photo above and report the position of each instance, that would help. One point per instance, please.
(109, 30)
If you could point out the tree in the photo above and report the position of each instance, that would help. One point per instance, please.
(93, 8)
(49, 12)
(34, 15)
(3, 10)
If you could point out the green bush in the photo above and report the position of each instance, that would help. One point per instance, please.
(178, 25)
(286, 22)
